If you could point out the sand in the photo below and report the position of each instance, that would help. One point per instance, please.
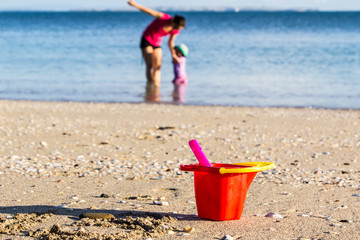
(61, 160)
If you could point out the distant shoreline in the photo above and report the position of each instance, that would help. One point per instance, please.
(236, 10)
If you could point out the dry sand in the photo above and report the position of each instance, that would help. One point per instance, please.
(61, 160)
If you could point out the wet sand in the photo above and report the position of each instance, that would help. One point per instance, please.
(61, 160)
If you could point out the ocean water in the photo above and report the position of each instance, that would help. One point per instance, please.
(291, 59)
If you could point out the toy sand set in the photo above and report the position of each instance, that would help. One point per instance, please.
(220, 189)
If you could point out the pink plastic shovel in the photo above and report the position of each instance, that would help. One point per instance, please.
(199, 154)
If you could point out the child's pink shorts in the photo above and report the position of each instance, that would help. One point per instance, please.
(180, 80)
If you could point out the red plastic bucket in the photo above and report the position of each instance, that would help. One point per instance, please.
(221, 196)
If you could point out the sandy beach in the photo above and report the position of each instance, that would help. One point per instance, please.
(59, 161)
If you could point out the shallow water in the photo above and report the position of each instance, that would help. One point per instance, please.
(309, 59)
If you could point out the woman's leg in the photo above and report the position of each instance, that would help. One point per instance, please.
(147, 53)
(156, 65)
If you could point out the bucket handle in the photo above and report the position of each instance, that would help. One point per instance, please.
(251, 167)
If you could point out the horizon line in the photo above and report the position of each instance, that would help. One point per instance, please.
(183, 9)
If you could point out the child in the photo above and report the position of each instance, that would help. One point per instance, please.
(180, 68)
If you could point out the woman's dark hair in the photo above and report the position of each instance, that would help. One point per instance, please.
(179, 21)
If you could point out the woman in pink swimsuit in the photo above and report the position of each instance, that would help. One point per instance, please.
(150, 45)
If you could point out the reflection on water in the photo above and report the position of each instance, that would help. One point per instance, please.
(152, 93)
(179, 93)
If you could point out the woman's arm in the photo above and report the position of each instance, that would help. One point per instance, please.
(171, 44)
(149, 11)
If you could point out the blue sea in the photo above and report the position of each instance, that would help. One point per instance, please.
(289, 59)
